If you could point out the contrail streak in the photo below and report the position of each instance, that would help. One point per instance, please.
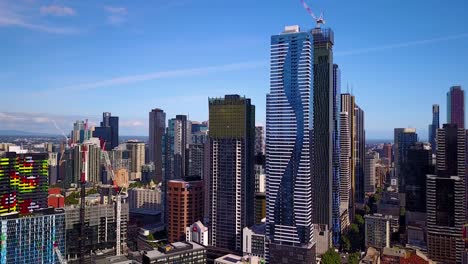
(401, 45)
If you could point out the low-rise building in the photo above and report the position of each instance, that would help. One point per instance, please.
(197, 232)
(253, 242)
(178, 252)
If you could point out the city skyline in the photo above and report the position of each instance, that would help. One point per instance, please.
(122, 48)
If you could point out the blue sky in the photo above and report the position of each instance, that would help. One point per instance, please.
(63, 60)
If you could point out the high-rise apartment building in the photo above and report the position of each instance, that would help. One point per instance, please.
(259, 140)
(24, 182)
(345, 169)
(137, 154)
(145, 198)
(93, 158)
(456, 106)
(404, 138)
(232, 178)
(434, 126)
(178, 136)
(157, 129)
(377, 230)
(185, 207)
(289, 148)
(33, 238)
(79, 133)
(387, 154)
(108, 131)
(445, 203)
(195, 162)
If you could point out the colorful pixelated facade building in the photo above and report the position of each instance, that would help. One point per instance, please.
(24, 182)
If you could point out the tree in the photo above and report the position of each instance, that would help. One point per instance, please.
(345, 243)
(353, 258)
(331, 257)
(359, 220)
(356, 237)
(92, 191)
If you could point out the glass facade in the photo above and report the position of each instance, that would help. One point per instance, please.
(32, 239)
(289, 148)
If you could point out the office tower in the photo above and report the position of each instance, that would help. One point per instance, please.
(434, 126)
(178, 136)
(157, 129)
(100, 230)
(387, 154)
(456, 106)
(232, 142)
(413, 172)
(347, 106)
(32, 239)
(360, 154)
(369, 173)
(377, 230)
(289, 148)
(108, 132)
(24, 182)
(345, 169)
(197, 232)
(336, 200)
(260, 184)
(199, 132)
(137, 154)
(259, 140)
(179, 252)
(323, 126)
(185, 206)
(404, 138)
(195, 162)
(445, 203)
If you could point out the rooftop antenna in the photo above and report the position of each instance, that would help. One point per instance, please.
(347, 86)
(320, 20)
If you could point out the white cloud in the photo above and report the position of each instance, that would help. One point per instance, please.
(116, 15)
(12, 15)
(57, 10)
(162, 74)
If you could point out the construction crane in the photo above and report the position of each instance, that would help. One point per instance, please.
(118, 197)
(59, 254)
(320, 20)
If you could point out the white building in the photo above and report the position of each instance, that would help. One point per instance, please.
(141, 198)
(253, 241)
(198, 233)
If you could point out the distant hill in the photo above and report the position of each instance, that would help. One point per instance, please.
(22, 133)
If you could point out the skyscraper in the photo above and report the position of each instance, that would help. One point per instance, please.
(324, 117)
(345, 169)
(456, 106)
(289, 148)
(387, 153)
(369, 173)
(157, 129)
(347, 106)
(178, 136)
(108, 131)
(413, 172)
(434, 126)
(446, 197)
(360, 158)
(232, 181)
(403, 139)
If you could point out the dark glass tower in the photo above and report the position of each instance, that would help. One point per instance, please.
(232, 176)
(323, 126)
(108, 131)
(456, 106)
(446, 197)
(404, 139)
(434, 126)
(360, 148)
(414, 171)
(157, 129)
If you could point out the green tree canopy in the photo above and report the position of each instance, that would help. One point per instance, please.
(331, 257)
(353, 258)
